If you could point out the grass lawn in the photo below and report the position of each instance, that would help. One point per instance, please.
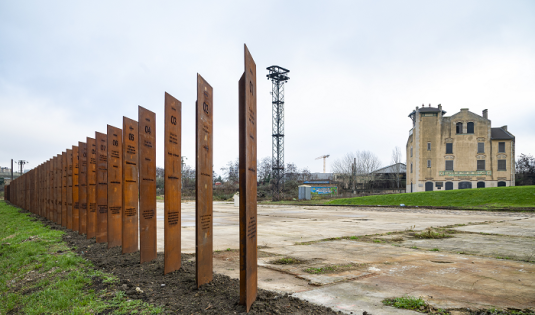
(41, 275)
(480, 198)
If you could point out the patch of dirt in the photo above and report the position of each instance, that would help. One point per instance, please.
(177, 291)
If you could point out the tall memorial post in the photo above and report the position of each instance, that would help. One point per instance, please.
(91, 188)
(247, 171)
(115, 186)
(130, 186)
(203, 183)
(75, 190)
(147, 184)
(69, 188)
(82, 184)
(172, 184)
(64, 189)
(102, 187)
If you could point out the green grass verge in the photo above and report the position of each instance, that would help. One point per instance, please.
(482, 198)
(41, 275)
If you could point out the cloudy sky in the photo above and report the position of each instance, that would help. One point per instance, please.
(358, 68)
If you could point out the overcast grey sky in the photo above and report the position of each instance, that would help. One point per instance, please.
(358, 68)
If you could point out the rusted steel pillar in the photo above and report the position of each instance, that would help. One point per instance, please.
(247, 171)
(130, 186)
(91, 188)
(147, 184)
(82, 184)
(172, 184)
(203, 183)
(115, 186)
(75, 190)
(64, 189)
(69, 188)
(102, 187)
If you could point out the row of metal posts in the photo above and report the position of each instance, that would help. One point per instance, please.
(106, 187)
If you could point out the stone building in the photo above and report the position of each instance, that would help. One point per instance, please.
(457, 152)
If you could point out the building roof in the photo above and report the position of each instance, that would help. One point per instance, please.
(392, 169)
(427, 110)
(500, 134)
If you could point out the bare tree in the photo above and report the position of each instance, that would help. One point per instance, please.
(396, 161)
(344, 169)
(264, 170)
(367, 162)
(356, 168)
(231, 173)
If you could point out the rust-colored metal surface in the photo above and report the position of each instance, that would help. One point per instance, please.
(102, 187)
(91, 188)
(130, 185)
(115, 186)
(147, 184)
(82, 184)
(64, 189)
(69, 188)
(203, 183)
(247, 171)
(26, 192)
(58, 189)
(172, 184)
(75, 190)
(48, 190)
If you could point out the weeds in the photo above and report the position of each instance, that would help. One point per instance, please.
(430, 234)
(287, 261)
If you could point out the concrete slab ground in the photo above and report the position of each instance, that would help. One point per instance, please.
(355, 276)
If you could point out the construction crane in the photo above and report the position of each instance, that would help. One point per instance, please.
(324, 157)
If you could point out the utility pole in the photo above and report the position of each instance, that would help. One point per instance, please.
(21, 164)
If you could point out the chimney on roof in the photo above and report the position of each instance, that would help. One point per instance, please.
(423, 105)
(429, 104)
(486, 113)
(504, 127)
(439, 108)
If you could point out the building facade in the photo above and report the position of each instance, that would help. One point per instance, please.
(457, 152)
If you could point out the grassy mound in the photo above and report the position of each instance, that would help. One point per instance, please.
(482, 198)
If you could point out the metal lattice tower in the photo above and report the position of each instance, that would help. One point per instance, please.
(278, 77)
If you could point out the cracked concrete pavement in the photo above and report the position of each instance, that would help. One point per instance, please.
(489, 261)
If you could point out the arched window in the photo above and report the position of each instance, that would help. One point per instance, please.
(429, 186)
(465, 185)
(480, 184)
(459, 127)
(411, 167)
(502, 184)
(449, 186)
(470, 127)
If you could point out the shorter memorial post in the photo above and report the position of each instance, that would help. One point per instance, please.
(147, 184)
(115, 186)
(75, 190)
(91, 188)
(172, 184)
(64, 189)
(102, 187)
(69, 189)
(82, 184)
(130, 186)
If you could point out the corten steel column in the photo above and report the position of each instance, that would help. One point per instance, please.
(58, 189)
(172, 184)
(102, 187)
(82, 184)
(130, 186)
(69, 188)
(53, 199)
(147, 184)
(203, 183)
(26, 192)
(91, 188)
(115, 186)
(247, 171)
(75, 190)
(49, 190)
(64, 189)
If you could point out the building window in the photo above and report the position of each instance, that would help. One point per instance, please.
(449, 148)
(481, 147)
(480, 184)
(480, 165)
(501, 147)
(411, 151)
(411, 167)
(459, 127)
(449, 165)
(470, 127)
(429, 146)
(502, 165)
(428, 163)
(449, 186)
(502, 184)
